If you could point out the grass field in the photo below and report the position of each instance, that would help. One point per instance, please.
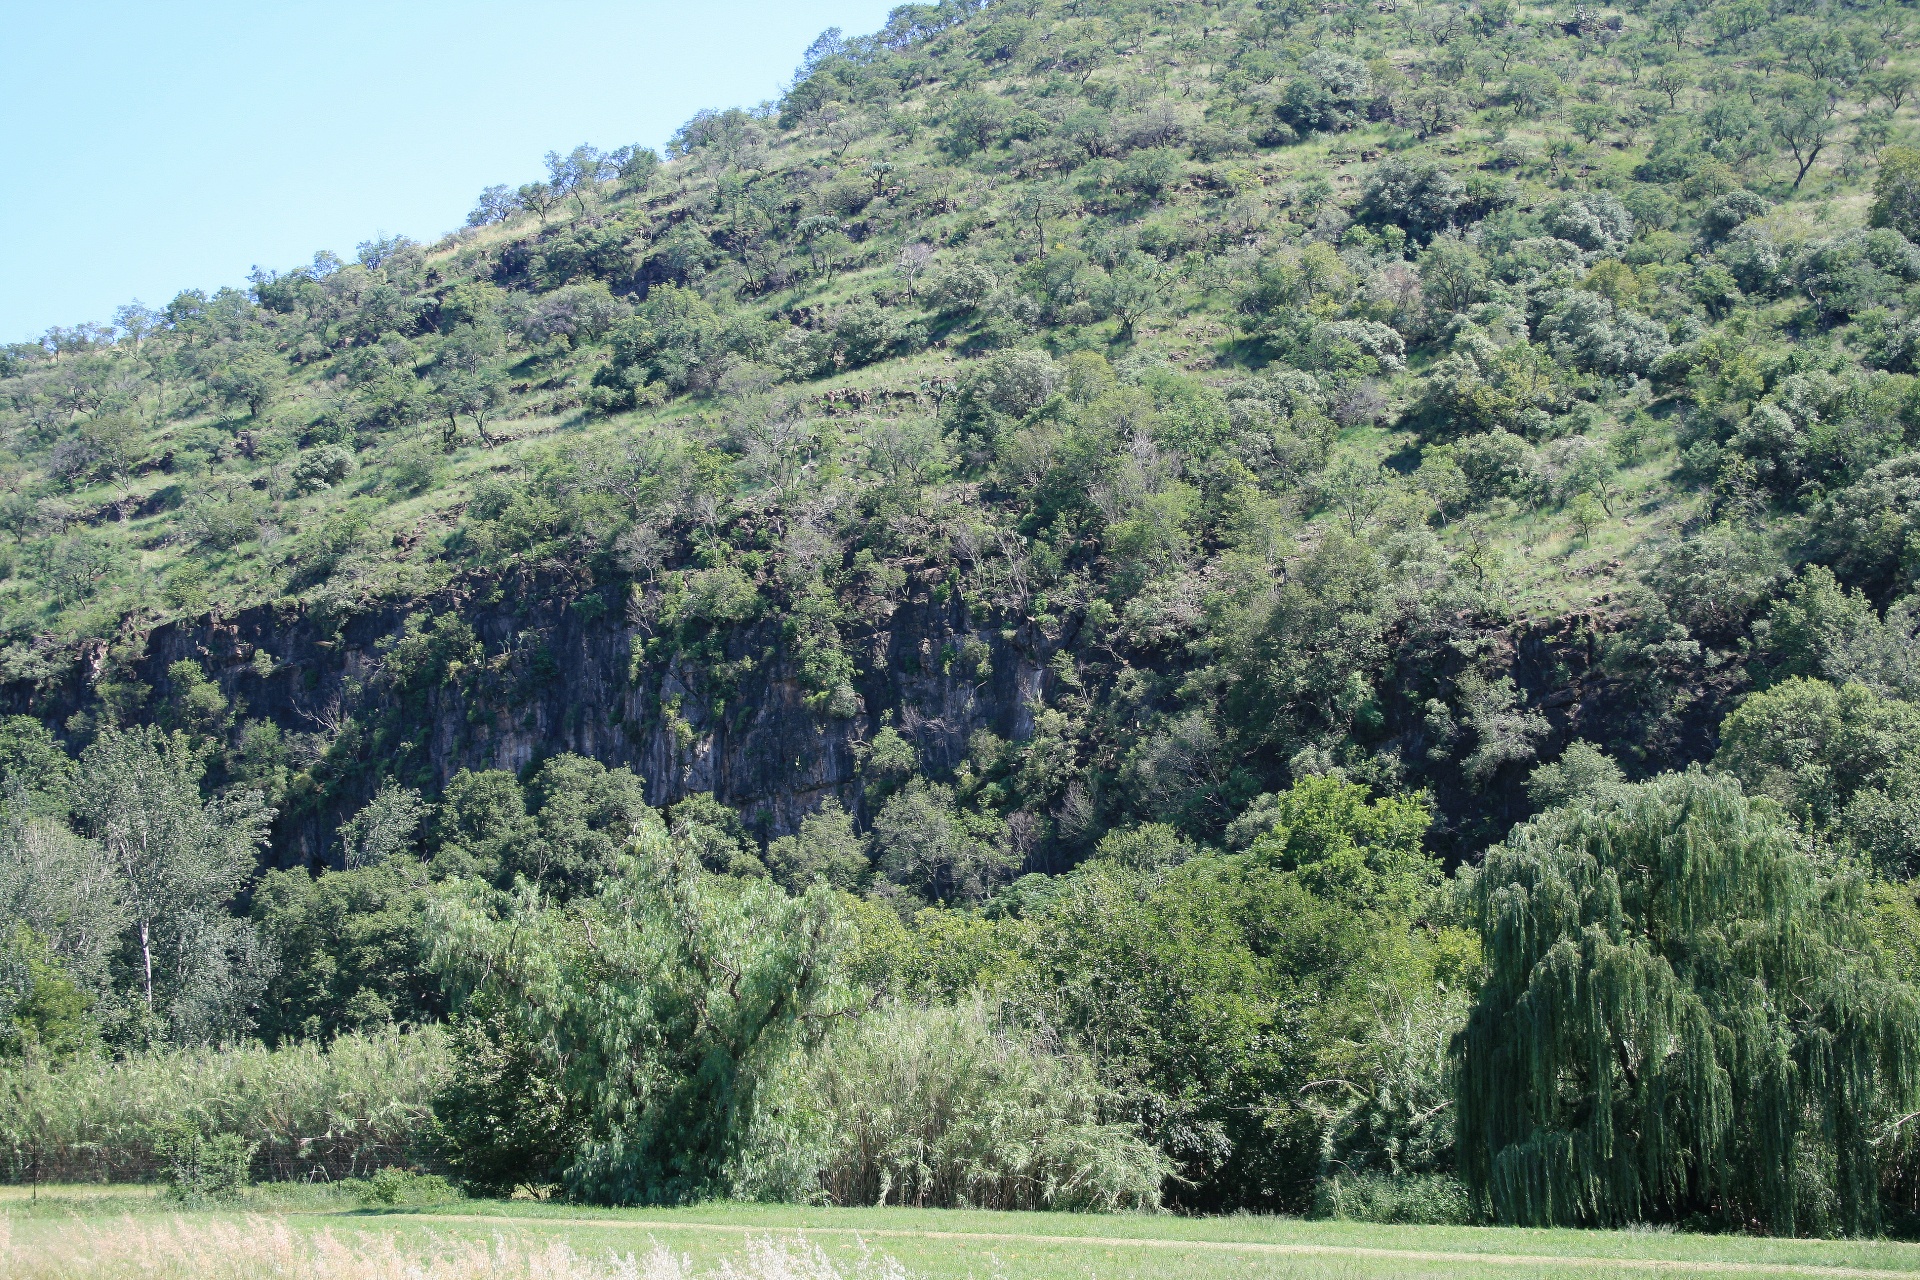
(112, 1232)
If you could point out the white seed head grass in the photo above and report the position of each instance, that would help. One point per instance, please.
(256, 1246)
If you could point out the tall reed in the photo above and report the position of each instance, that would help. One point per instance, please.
(349, 1109)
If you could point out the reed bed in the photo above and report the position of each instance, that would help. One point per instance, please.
(346, 1110)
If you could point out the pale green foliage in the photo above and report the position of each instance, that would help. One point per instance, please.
(825, 848)
(657, 1005)
(1582, 773)
(945, 1107)
(385, 827)
(177, 860)
(925, 843)
(1347, 847)
(1843, 760)
(349, 1108)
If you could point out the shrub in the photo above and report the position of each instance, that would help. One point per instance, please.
(202, 1168)
(393, 1186)
(1432, 1199)
(944, 1107)
(322, 468)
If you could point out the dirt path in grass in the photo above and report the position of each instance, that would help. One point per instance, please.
(1654, 1266)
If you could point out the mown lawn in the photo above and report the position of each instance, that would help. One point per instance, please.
(72, 1232)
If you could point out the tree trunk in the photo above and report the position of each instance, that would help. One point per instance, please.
(146, 959)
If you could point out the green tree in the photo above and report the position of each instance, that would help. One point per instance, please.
(1134, 290)
(825, 848)
(1812, 745)
(251, 378)
(353, 950)
(651, 1012)
(64, 910)
(1896, 192)
(481, 819)
(386, 827)
(36, 776)
(1347, 847)
(584, 815)
(925, 843)
(1802, 120)
(1842, 759)
(1682, 1015)
(178, 860)
(1224, 992)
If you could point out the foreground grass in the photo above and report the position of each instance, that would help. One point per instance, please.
(110, 1232)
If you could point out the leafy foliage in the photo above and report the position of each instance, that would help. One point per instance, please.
(1681, 1016)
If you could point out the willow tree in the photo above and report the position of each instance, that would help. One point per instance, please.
(1683, 1016)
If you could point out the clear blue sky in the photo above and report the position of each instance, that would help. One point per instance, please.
(155, 147)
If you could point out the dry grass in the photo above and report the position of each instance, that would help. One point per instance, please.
(132, 1248)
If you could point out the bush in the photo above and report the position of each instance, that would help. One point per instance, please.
(944, 1108)
(203, 1168)
(322, 468)
(1425, 1199)
(393, 1186)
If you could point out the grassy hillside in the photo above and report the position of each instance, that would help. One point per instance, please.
(1180, 482)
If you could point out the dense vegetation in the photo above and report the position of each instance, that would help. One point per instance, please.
(1452, 471)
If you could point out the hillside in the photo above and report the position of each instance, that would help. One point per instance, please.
(1053, 431)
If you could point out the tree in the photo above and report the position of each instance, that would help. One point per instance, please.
(1591, 120)
(912, 263)
(1356, 489)
(178, 860)
(1585, 515)
(841, 128)
(636, 166)
(1896, 192)
(1230, 991)
(538, 197)
(251, 378)
(577, 174)
(1681, 1011)
(642, 1020)
(496, 204)
(352, 948)
(1841, 759)
(584, 815)
(1802, 120)
(825, 848)
(385, 827)
(1452, 273)
(36, 776)
(1348, 847)
(1132, 291)
(924, 843)
(1436, 109)
(1671, 79)
(61, 890)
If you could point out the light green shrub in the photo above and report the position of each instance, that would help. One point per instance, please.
(944, 1107)
(204, 1168)
(1432, 1198)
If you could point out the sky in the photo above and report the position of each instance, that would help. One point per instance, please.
(158, 147)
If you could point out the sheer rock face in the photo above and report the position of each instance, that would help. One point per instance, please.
(561, 674)
(563, 684)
